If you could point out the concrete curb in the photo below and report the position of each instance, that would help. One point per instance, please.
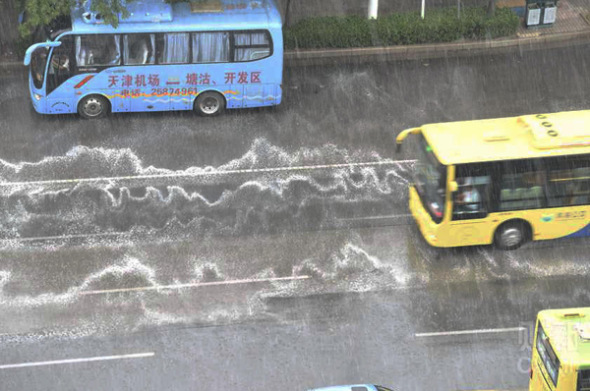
(429, 51)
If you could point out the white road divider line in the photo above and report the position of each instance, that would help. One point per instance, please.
(77, 360)
(205, 173)
(194, 285)
(64, 237)
(401, 216)
(470, 332)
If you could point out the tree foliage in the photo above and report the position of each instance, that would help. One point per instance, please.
(42, 13)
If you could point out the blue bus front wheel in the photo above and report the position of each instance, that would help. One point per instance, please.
(210, 104)
(93, 106)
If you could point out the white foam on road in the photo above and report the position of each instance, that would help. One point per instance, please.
(77, 360)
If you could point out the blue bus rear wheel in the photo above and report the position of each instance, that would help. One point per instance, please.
(210, 104)
(93, 106)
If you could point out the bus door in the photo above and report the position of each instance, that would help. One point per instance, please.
(469, 223)
(59, 85)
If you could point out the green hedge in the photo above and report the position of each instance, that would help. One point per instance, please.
(439, 25)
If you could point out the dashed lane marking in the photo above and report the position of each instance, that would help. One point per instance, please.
(471, 332)
(194, 285)
(77, 360)
(204, 173)
(369, 218)
(63, 237)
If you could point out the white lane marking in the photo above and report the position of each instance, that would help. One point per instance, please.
(471, 332)
(204, 173)
(64, 237)
(194, 285)
(403, 216)
(77, 360)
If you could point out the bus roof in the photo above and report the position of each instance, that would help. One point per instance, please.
(157, 16)
(529, 136)
(568, 331)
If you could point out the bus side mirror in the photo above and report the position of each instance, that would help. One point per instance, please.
(32, 48)
(402, 136)
(453, 186)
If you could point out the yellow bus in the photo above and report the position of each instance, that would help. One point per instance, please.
(561, 351)
(504, 181)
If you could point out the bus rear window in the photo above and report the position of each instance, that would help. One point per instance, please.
(547, 354)
(583, 380)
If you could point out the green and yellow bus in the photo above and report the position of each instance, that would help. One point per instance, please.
(504, 181)
(561, 351)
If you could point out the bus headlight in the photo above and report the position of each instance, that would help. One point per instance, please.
(37, 96)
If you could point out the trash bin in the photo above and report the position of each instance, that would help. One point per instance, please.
(540, 12)
(549, 12)
(532, 16)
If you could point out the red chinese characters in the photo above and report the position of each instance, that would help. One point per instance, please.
(194, 79)
(131, 93)
(139, 80)
(154, 80)
(242, 77)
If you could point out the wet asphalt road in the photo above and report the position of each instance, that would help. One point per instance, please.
(358, 289)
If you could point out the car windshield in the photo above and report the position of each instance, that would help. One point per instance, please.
(429, 178)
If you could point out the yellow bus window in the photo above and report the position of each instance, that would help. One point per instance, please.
(547, 355)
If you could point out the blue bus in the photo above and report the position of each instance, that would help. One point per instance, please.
(202, 56)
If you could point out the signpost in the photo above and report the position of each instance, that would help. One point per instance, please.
(373, 7)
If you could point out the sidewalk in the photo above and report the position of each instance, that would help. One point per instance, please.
(572, 26)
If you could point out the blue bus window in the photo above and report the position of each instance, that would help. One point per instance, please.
(173, 48)
(98, 50)
(211, 47)
(251, 46)
(139, 49)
